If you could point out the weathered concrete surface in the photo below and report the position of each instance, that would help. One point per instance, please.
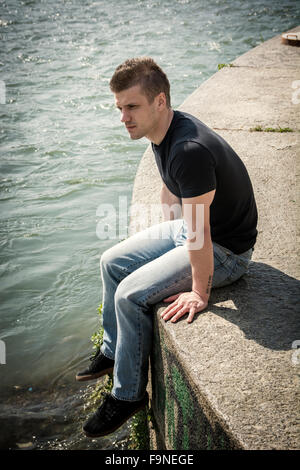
(231, 378)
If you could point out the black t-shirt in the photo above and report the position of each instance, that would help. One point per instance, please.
(192, 160)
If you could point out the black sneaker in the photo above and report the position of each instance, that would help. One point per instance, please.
(100, 365)
(111, 415)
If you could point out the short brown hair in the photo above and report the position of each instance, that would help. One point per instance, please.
(141, 71)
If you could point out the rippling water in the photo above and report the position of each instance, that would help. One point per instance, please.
(64, 152)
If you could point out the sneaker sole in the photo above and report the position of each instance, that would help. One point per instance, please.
(83, 378)
(119, 425)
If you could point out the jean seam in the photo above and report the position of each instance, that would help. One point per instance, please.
(141, 341)
(142, 262)
(169, 286)
(138, 365)
(137, 379)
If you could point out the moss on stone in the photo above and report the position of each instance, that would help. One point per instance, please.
(139, 438)
(97, 337)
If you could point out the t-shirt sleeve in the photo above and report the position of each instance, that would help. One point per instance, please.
(193, 169)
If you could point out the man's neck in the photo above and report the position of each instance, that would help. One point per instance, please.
(163, 127)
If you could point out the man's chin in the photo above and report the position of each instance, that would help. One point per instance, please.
(135, 137)
(134, 134)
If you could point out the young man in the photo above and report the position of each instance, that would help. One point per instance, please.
(209, 246)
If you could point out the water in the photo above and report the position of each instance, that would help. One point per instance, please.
(63, 153)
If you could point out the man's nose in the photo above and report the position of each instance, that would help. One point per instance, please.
(125, 116)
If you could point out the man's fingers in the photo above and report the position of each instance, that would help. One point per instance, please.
(169, 308)
(169, 312)
(193, 310)
(177, 311)
(182, 303)
(179, 314)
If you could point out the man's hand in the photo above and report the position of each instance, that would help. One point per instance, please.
(182, 303)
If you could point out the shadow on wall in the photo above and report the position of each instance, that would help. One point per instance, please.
(266, 311)
(267, 306)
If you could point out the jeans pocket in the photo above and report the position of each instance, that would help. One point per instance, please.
(221, 254)
(240, 268)
(245, 258)
(243, 262)
(229, 267)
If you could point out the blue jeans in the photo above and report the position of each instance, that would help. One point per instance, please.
(138, 273)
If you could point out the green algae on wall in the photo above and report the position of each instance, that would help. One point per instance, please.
(178, 417)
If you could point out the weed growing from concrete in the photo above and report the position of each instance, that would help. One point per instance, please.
(271, 129)
(220, 66)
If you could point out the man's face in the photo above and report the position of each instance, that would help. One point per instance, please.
(140, 117)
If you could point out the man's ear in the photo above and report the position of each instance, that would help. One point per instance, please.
(161, 100)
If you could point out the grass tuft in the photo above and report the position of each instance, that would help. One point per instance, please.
(271, 129)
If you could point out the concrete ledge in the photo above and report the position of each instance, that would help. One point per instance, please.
(229, 381)
(231, 378)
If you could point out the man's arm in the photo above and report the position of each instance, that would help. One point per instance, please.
(171, 206)
(196, 212)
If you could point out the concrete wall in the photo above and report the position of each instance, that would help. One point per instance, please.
(230, 379)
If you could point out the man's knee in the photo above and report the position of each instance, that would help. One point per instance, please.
(128, 292)
(109, 263)
(107, 257)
